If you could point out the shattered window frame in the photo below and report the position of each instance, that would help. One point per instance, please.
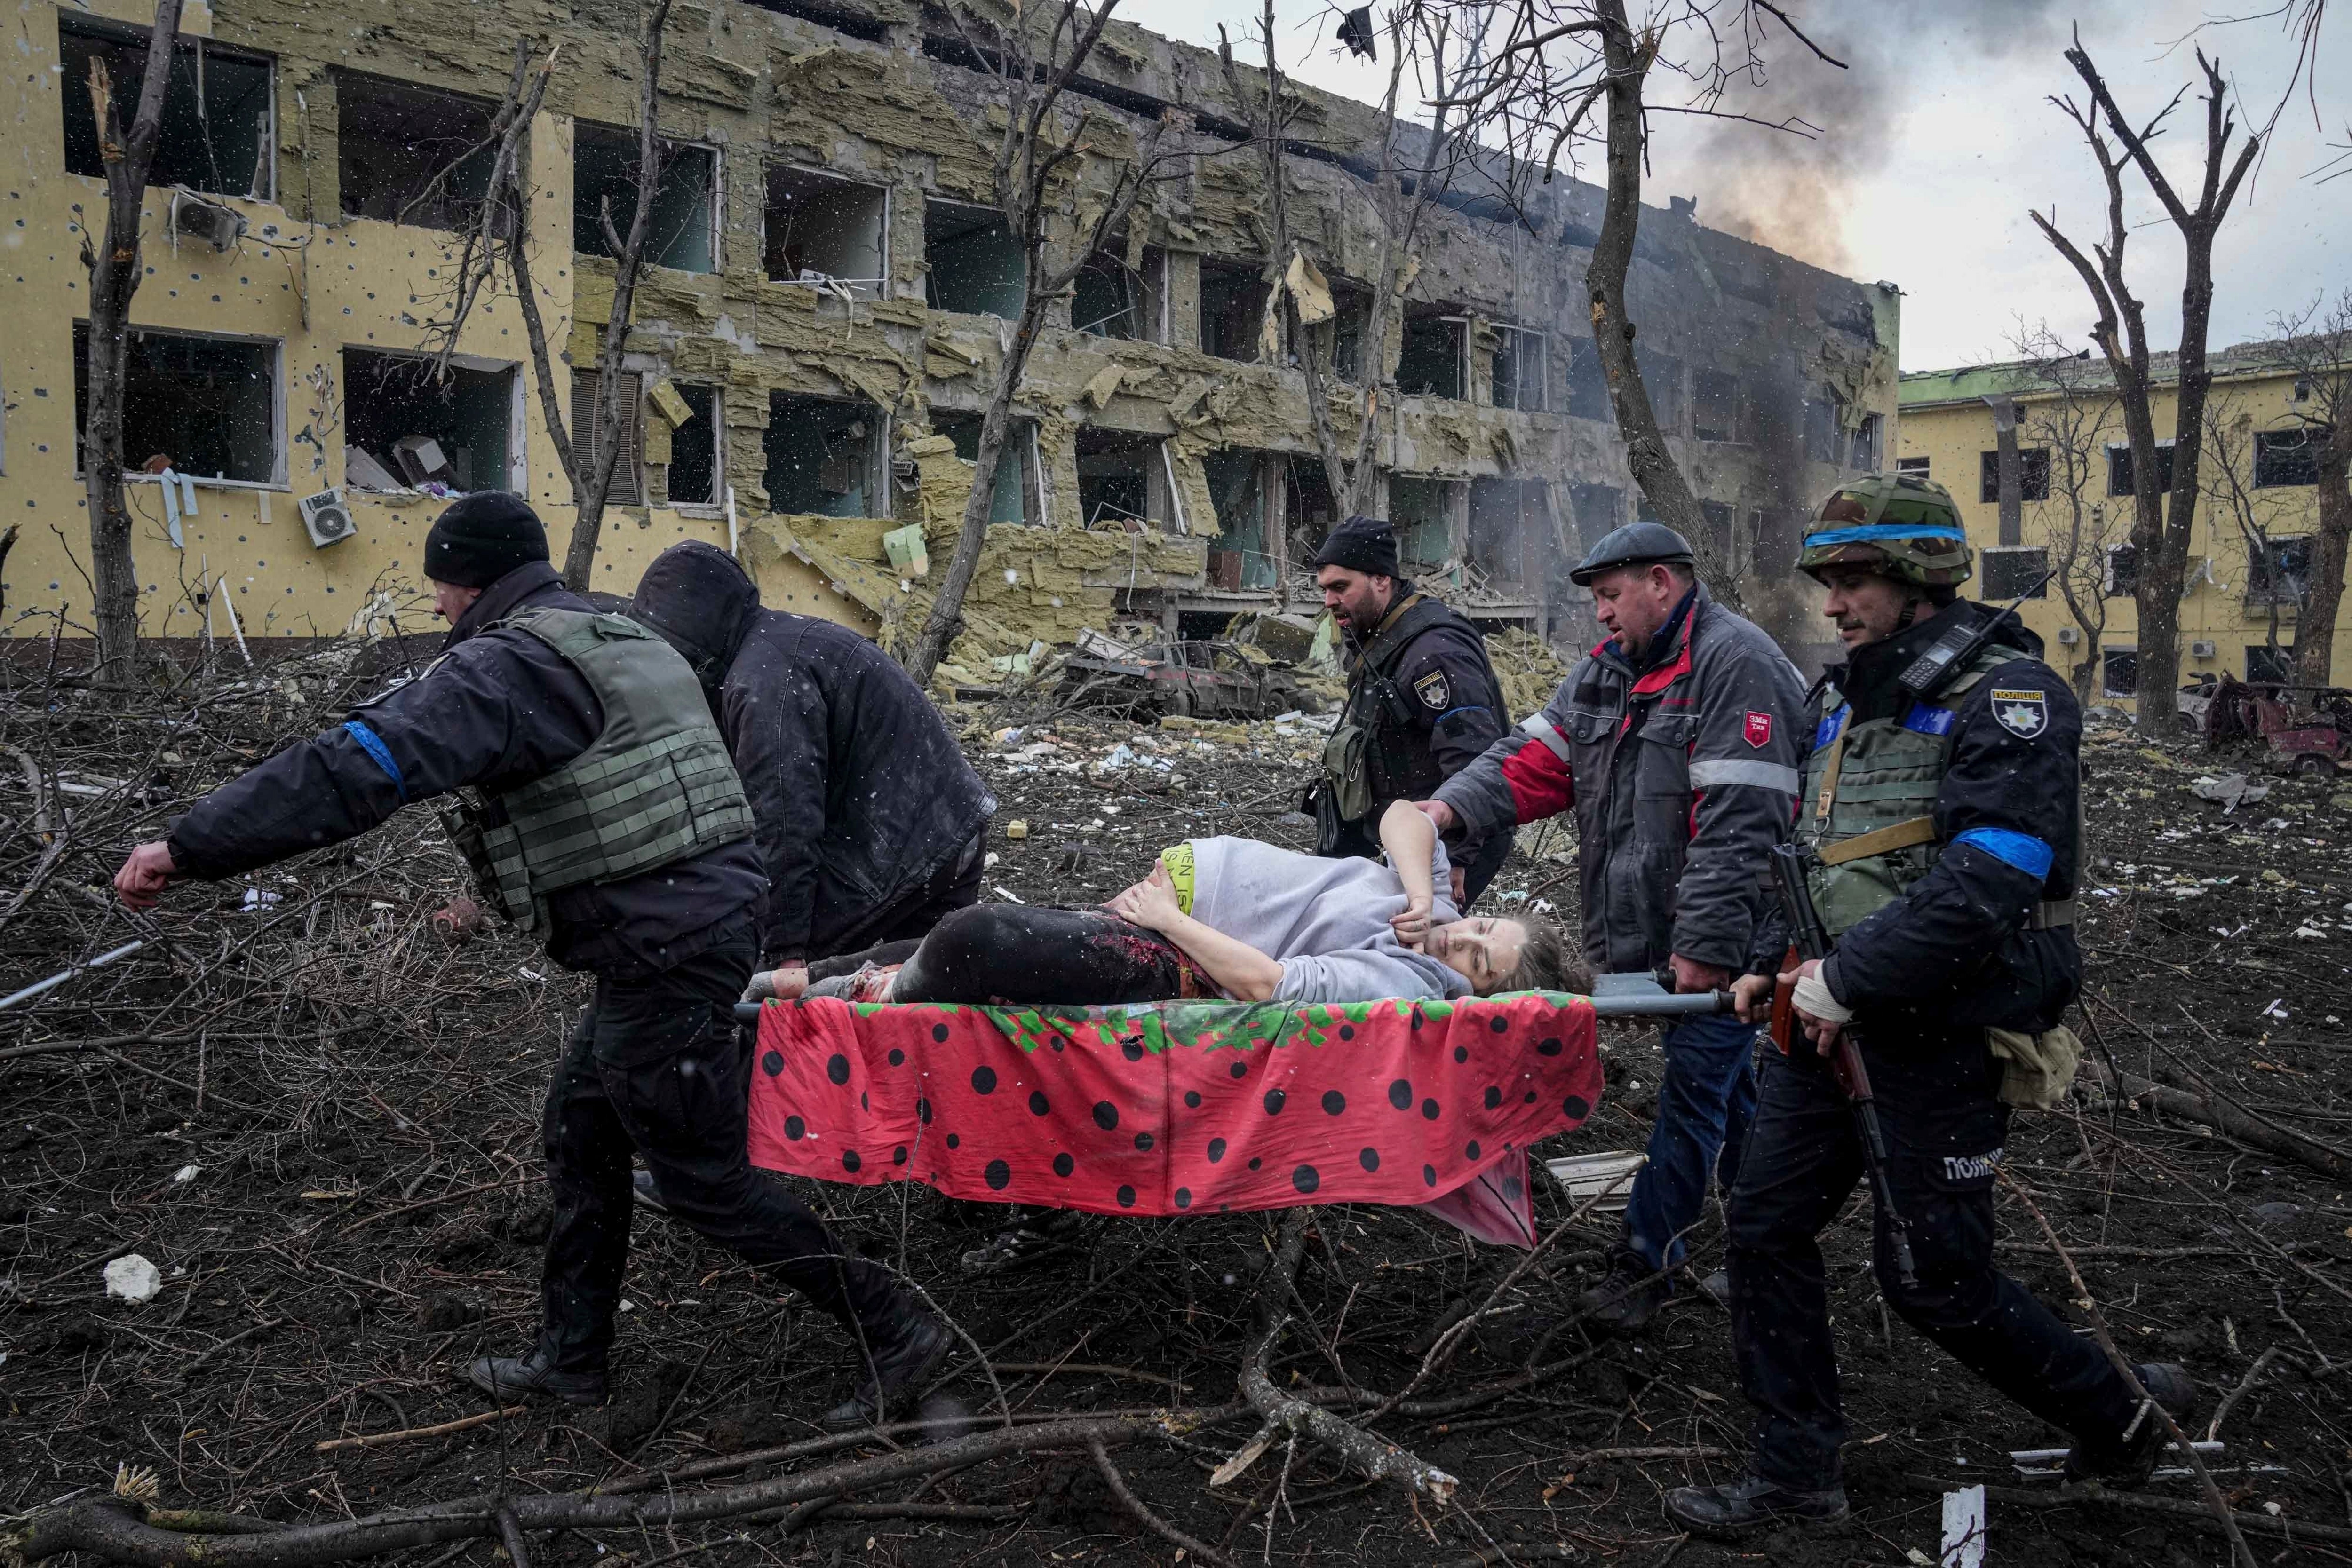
(1529, 394)
(1160, 492)
(1241, 283)
(2120, 671)
(2120, 580)
(1449, 518)
(1868, 438)
(1457, 325)
(2269, 666)
(2119, 468)
(192, 58)
(660, 250)
(274, 351)
(1254, 568)
(1915, 467)
(2278, 573)
(1030, 480)
(2016, 565)
(875, 288)
(872, 488)
(1145, 304)
(358, 93)
(514, 466)
(2285, 457)
(2033, 476)
(689, 393)
(940, 209)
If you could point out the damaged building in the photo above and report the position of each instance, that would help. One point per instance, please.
(812, 343)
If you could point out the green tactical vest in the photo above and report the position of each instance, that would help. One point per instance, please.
(655, 785)
(1870, 799)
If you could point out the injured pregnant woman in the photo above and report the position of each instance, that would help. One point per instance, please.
(1226, 917)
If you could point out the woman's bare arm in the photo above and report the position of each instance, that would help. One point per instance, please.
(1240, 970)
(1411, 840)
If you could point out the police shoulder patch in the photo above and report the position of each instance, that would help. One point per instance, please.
(1433, 690)
(2025, 713)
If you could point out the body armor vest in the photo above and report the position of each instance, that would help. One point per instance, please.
(1870, 799)
(655, 785)
(1353, 762)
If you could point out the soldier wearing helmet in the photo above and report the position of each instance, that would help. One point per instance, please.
(1674, 742)
(1940, 797)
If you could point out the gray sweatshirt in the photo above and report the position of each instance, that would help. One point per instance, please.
(1326, 920)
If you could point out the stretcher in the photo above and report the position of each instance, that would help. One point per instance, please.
(1174, 1108)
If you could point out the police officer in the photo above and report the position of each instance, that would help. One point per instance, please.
(1422, 700)
(868, 818)
(602, 814)
(1941, 793)
(1673, 742)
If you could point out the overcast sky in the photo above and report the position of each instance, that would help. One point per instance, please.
(1940, 138)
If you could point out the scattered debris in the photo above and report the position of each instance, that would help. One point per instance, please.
(130, 1277)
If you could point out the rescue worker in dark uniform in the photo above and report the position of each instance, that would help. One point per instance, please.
(1422, 701)
(601, 812)
(1942, 796)
(868, 819)
(1673, 742)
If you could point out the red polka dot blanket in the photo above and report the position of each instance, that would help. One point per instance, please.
(1182, 1107)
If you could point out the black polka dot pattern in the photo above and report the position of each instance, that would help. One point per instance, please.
(983, 1080)
(1106, 1116)
(1334, 1103)
(773, 1064)
(796, 1129)
(1493, 1096)
(850, 1161)
(837, 1068)
(999, 1176)
(1304, 1178)
(1064, 1165)
(1038, 1103)
(1370, 1159)
(1273, 1102)
(1401, 1094)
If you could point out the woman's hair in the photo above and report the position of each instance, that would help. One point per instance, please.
(1545, 962)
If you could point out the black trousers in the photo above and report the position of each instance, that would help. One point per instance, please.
(660, 1066)
(1023, 953)
(1938, 1100)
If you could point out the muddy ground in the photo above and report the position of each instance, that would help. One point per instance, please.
(318, 1121)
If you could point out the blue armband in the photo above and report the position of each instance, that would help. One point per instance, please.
(2023, 850)
(373, 744)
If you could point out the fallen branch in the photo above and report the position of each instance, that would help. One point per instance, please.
(2223, 1115)
(378, 1440)
(1201, 1550)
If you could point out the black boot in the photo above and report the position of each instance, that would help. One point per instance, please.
(1750, 1505)
(1628, 1298)
(904, 1345)
(507, 1376)
(2122, 1463)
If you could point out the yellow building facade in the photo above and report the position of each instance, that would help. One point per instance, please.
(2250, 552)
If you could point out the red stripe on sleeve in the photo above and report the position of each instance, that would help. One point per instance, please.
(1540, 783)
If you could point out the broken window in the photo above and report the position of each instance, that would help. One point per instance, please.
(1522, 375)
(1238, 559)
(2120, 671)
(696, 456)
(840, 19)
(1351, 317)
(405, 428)
(2009, 572)
(1308, 510)
(1116, 300)
(1122, 478)
(1511, 523)
(976, 266)
(1588, 383)
(821, 229)
(1233, 309)
(2280, 574)
(1824, 434)
(2119, 469)
(392, 144)
(2285, 457)
(206, 406)
(681, 231)
(2270, 667)
(1662, 378)
(1865, 453)
(1433, 363)
(2122, 572)
(2033, 476)
(628, 488)
(1715, 408)
(1423, 510)
(824, 457)
(216, 115)
(1916, 468)
(1013, 497)
(1599, 508)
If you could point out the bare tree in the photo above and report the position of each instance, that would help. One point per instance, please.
(1405, 188)
(2160, 534)
(2067, 408)
(114, 274)
(1039, 161)
(1548, 67)
(2317, 343)
(591, 488)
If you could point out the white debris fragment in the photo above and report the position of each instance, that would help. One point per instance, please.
(186, 1174)
(130, 1277)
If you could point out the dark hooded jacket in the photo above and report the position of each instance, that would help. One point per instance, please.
(859, 793)
(497, 709)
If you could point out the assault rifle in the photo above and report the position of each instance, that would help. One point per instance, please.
(1809, 938)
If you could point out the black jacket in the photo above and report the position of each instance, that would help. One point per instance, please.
(1959, 948)
(1432, 699)
(497, 709)
(858, 791)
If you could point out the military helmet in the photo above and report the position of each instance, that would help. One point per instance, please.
(1894, 524)
(1635, 544)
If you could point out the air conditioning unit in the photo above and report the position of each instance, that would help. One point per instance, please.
(327, 518)
(2070, 635)
(218, 226)
(2201, 649)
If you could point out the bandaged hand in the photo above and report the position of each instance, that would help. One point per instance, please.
(784, 984)
(1152, 903)
(1822, 1013)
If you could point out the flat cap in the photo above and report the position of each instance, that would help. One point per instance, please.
(1635, 544)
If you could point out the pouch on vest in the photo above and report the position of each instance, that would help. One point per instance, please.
(2036, 1070)
(1348, 769)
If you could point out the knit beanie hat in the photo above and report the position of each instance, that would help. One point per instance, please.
(483, 536)
(1363, 544)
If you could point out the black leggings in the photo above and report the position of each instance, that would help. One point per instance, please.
(1021, 954)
